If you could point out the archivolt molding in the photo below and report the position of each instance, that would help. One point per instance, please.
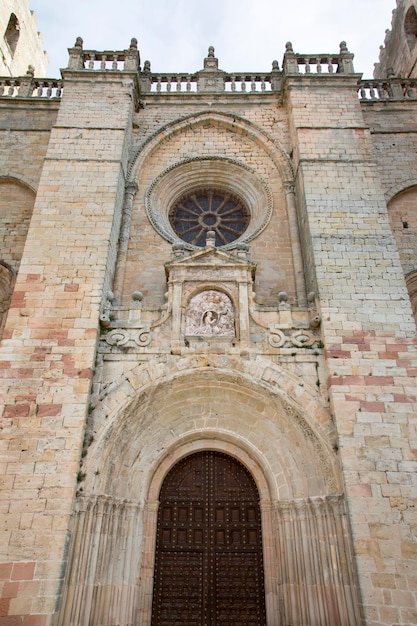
(404, 185)
(132, 396)
(232, 122)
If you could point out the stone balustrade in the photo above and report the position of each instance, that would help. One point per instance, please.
(295, 63)
(122, 60)
(175, 83)
(389, 89)
(29, 87)
(370, 90)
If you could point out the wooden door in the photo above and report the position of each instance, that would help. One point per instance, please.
(208, 566)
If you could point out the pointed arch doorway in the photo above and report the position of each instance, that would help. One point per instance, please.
(208, 562)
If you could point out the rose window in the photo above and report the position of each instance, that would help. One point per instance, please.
(209, 210)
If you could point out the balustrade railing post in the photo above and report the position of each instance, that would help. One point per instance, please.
(76, 55)
(27, 84)
(132, 58)
(395, 88)
(346, 60)
(290, 63)
(146, 78)
(276, 77)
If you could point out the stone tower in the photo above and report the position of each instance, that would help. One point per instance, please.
(209, 352)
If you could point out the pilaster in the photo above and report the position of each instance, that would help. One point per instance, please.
(49, 342)
(353, 266)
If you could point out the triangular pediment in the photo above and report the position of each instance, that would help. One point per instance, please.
(211, 257)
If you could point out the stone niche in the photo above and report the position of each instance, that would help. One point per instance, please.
(208, 295)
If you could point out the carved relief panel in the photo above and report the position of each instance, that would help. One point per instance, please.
(208, 294)
(210, 314)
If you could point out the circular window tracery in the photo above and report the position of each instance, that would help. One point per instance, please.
(205, 210)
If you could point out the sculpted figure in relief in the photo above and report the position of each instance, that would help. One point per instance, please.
(210, 313)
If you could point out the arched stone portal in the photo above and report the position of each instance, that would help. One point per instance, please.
(308, 561)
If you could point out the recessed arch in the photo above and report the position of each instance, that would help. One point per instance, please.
(189, 397)
(399, 187)
(158, 414)
(19, 179)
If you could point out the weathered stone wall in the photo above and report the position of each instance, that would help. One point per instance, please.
(205, 138)
(402, 211)
(368, 334)
(399, 52)
(29, 48)
(393, 129)
(315, 396)
(49, 343)
(24, 135)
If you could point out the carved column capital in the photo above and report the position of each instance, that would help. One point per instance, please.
(289, 186)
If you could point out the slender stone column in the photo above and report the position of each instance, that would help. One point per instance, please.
(295, 244)
(130, 191)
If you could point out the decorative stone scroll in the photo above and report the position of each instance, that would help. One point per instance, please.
(301, 338)
(210, 314)
(123, 337)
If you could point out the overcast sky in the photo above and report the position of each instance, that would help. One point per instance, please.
(247, 34)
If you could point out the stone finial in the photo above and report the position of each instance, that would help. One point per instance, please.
(133, 43)
(76, 56)
(288, 47)
(343, 47)
(210, 79)
(147, 66)
(390, 72)
(30, 71)
(282, 297)
(275, 66)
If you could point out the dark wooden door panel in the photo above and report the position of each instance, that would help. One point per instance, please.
(208, 565)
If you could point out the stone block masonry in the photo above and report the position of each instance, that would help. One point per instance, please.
(48, 352)
(292, 350)
(368, 333)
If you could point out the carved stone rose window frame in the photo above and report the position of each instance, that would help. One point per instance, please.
(187, 177)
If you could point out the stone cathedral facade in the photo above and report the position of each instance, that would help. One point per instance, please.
(208, 360)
